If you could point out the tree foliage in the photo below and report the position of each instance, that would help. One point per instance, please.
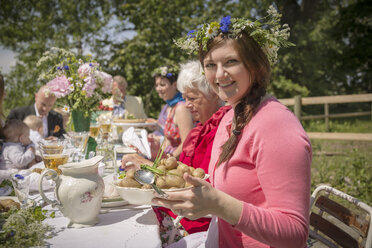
(133, 37)
(29, 28)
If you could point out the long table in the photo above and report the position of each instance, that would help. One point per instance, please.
(123, 226)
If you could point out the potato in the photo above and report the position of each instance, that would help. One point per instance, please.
(162, 162)
(129, 182)
(198, 172)
(7, 204)
(174, 181)
(175, 172)
(160, 182)
(183, 168)
(130, 173)
(171, 163)
(191, 169)
(146, 186)
(161, 167)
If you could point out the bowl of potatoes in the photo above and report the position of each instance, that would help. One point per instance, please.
(168, 177)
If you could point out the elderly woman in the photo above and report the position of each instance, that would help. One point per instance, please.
(205, 107)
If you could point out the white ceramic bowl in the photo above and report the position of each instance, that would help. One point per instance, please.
(138, 196)
(134, 196)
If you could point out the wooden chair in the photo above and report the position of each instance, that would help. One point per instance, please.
(339, 220)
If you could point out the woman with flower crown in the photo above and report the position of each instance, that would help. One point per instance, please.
(178, 119)
(261, 156)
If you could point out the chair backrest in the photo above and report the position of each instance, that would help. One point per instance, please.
(339, 220)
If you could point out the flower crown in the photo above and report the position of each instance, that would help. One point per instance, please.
(166, 71)
(267, 32)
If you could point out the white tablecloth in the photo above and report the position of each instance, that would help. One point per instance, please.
(126, 226)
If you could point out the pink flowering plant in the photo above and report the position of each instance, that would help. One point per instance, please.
(78, 83)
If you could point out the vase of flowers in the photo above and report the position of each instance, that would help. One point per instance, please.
(78, 82)
(80, 121)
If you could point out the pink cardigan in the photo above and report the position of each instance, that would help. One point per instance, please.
(270, 173)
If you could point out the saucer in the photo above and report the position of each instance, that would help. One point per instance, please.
(113, 202)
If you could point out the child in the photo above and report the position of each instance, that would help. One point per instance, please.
(36, 128)
(18, 150)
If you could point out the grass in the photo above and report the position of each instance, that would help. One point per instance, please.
(345, 165)
(345, 125)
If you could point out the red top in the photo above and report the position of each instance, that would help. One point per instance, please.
(196, 152)
(171, 130)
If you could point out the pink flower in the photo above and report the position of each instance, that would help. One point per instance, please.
(105, 80)
(89, 86)
(85, 70)
(59, 86)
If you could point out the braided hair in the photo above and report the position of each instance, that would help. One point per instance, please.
(258, 65)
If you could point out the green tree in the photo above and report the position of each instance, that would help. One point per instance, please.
(156, 24)
(132, 37)
(29, 28)
(353, 72)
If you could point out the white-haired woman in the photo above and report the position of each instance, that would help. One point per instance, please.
(207, 109)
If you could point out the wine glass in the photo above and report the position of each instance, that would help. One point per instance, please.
(21, 185)
(94, 130)
(78, 140)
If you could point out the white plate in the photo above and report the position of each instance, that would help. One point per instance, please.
(6, 190)
(137, 196)
(113, 203)
(142, 124)
(125, 150)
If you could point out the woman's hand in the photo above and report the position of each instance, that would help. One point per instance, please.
(51, 138)
(135, 161)
(202, 200)
(152, 127)
(192, 203)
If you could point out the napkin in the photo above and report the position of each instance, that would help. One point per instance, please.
(110, 191)
(34, 180)
(141, 143)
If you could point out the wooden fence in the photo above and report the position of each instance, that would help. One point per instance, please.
(299, 101)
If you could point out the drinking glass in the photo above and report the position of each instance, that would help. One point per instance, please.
(105, 123)
(94, 130)
(52, 146)
(108, 151)
(21, 185)
(78, 142)
(53, 157)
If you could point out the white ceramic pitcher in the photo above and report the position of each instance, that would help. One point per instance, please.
(79, 191)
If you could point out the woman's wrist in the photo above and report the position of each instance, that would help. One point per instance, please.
(228, 208)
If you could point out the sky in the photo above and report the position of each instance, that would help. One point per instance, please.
(6, 60)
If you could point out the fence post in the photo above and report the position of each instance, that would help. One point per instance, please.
(297, 106)
(326, 116)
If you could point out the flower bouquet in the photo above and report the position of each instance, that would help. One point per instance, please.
(78, 83)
